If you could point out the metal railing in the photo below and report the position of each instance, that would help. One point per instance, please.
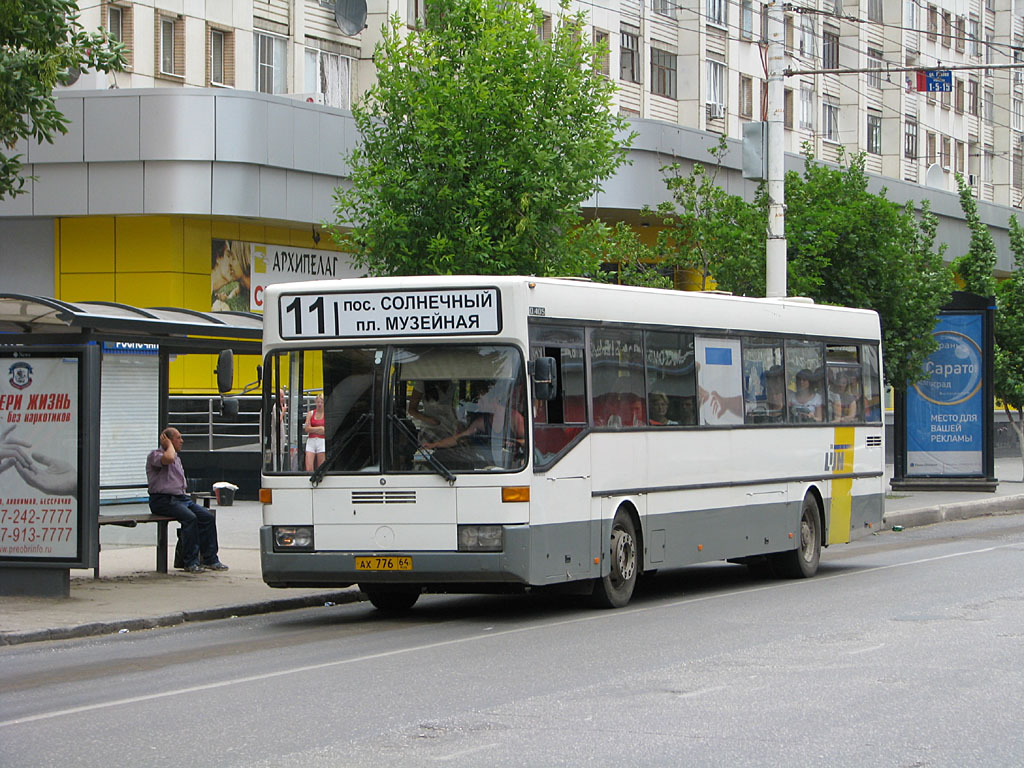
(200, 422)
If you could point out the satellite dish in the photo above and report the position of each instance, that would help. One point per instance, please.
(350, 16)
(935, 177)
(70, 77)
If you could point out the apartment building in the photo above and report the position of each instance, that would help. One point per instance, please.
(231, 121)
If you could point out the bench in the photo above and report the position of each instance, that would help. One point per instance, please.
(132, 521)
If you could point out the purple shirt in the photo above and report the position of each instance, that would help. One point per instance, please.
(169, 479)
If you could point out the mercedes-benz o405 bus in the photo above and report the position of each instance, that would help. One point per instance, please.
(484, 434)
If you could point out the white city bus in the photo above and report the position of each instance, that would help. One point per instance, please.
(512, 433)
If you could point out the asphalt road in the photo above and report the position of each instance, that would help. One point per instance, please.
(906, 650)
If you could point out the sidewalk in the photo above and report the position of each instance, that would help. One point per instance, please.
(130, 595)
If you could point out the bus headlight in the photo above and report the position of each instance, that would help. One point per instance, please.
(481, 538)
(293, 538)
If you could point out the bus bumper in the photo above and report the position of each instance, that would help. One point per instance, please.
(337, 569)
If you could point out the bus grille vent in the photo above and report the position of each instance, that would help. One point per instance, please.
(874, 441)
(383, 497)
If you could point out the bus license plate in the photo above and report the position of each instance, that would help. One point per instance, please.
(383, 563)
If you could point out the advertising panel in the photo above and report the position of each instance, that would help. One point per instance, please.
(40, 482)
(241, 271)
(945, 410)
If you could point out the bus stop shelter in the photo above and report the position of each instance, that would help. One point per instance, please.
(52, 355)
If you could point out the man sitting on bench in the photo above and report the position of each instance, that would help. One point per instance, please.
(167, 496)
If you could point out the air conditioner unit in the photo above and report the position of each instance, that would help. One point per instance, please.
(972, 180)
(716, 111)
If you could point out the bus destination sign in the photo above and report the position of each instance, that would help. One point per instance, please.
(434, 312)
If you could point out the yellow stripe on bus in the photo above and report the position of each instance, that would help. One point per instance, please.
(842, 496)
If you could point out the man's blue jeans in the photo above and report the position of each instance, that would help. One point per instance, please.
(198, 533)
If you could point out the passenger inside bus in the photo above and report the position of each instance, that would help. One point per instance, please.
(658, 410)
(432, 407)
(498, 428)
(805, 402)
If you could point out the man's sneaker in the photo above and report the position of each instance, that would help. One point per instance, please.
(194, 568)
(215, 566)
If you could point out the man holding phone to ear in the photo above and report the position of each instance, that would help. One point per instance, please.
(167, 496)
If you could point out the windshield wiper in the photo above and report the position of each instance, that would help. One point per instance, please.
(435, 463)
(336, 448)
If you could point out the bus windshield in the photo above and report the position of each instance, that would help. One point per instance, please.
(396, 409)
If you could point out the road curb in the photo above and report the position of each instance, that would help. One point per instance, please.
(963, 510)
(178, 617)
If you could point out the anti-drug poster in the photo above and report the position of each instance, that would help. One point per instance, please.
(945, 412)
(39, 478)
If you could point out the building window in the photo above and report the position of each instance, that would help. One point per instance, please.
(1017, 118)
(944, 153)
(601, 39)
(830, 121)
(716, 74)
(216, 57)
(544, 28)
(746, 96)
(119, 27)
(629, 54)
(974, 35)
(830, 49)
(806, 108)
(115, 23)
(718, 12)
(220, 57)
(946, 99)
(806, 36)
(663, 73)
(764, 22)
(987, 159)
(958, 95)
(874, 10)
(1018, 167)
(664, 8)
(747, 19)
(875, 134)
(972, 97)
(961, 158)
(1018, 57)
(330, 76)
(271, 63)
(787, 108)
(417, 13)
(167, 46)
(910, 14)
(988, 106)
(933, 23)
(961, 33)
(170, 48)
(947, 29)
(875, 62)
(910, 139)
(930, 148)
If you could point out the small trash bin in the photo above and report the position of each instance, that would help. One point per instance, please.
(225, 493)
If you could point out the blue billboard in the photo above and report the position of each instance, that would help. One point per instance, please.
(946, 409)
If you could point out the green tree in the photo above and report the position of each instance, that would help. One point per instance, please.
(718, 235)
(1009, 333)
(846, 246)
(976, 267)
(480, 141)
(850, 247)
(41, 41)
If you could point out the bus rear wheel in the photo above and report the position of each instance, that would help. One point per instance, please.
(616, 588)
(802, 562)
(391, 600)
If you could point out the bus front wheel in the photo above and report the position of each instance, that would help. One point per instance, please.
(391, 600)
(615, 589)
(802, 562)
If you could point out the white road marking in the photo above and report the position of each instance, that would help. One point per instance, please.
(604, 615)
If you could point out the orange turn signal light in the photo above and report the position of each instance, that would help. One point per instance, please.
(266, 496)
(516, 493)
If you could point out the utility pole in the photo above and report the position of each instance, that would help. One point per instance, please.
(775, 251)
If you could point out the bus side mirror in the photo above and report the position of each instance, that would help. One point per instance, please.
(229, 407)
(225, 370)
(545, 378)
